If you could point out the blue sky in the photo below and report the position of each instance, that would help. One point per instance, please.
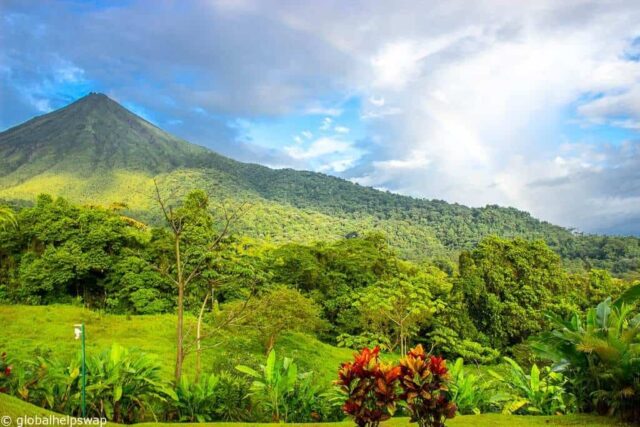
(534, 105)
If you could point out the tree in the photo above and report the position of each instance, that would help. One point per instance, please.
(66, 250)
(508, 285)
(194, 233)
(281, 309)
(399, 305)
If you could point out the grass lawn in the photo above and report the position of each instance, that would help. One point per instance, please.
(48, 330)
(14, 408)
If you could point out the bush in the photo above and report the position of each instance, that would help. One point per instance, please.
(282, 394)
(471, 393)
(43, 383)
(370, 387)
(540, 392)
(423, 381)
(449, 343)
(5, 373)
(121, 385)
(599, 352)
(217, 397)
(364, 340)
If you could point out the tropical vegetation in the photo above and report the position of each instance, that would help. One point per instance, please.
(219, 291)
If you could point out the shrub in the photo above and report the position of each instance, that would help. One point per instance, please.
(217, 397)
(424, 381)
(370, 387)
(364, 340)
(540, 392)
(280, 309)
(283, 394)
(599, 352)
(43, 382)
(471, 393)
(121, 386)
(449, 343)
(5, 373)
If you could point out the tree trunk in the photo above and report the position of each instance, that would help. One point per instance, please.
(199, 339)
(270, 343)
(180, 325)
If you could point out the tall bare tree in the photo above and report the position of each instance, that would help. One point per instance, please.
(195, 234)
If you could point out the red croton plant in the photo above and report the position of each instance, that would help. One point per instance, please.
(423, 381)
(374, 388)
(371, 388)
(5, 373)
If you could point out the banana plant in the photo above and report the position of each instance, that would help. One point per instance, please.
(539, 392)
(121, 385)
(468, 391)
(274, 385)
(196, 400)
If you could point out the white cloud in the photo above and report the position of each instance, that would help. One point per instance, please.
(307, 134)
(377, 102)
(614, 105)
(323, 111)
(341, 129)
(326, 123)
(396, 64)
(319, 147)
(338, 166)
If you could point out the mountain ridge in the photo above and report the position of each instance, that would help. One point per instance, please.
(96, 151)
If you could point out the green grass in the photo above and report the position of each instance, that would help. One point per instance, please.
(48, 330)
(14, 408)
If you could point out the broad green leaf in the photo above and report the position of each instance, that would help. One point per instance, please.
(270, 366)
(249, 371)
(630, 296)
(535, 378)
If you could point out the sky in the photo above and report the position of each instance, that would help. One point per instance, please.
(531, 104)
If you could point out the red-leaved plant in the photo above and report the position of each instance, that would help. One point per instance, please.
(423, 380)
(371, 388)
(5, 373)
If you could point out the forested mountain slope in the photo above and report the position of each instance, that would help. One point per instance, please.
(96, 151)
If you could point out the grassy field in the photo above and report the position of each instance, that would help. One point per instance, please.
(14, 408)
(48, 330)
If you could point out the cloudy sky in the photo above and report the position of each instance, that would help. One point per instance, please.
(531, 104)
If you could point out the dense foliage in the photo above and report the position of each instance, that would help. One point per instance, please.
(599, 352)
(355, 292)
(508, 284)
(283, 394)
(539, 392)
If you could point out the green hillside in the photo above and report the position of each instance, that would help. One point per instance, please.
(152, 334)
(95, 151)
